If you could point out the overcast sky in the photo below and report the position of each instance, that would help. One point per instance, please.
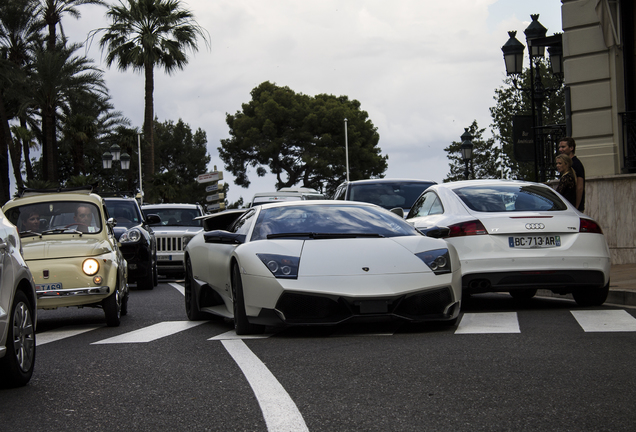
(422, 69)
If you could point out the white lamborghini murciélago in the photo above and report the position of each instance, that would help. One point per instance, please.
(318, 263)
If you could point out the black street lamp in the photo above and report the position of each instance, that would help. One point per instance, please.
(466, 149)
(513, 59)
(115, 155)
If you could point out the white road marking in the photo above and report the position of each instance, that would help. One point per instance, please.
(178, 287)
(231, 335)
(605, 320)
(151, 333)
(62, 333)
(279, 410)
(492, 322)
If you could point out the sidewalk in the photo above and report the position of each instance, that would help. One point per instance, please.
(622, 286)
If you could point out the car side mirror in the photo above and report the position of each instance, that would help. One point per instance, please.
(153, 219)
(112, 222)
(436, 232)
(398, 211)
(220, 236)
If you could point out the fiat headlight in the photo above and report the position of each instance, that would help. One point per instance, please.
(437, 260)
(90, 266)
(131, 236)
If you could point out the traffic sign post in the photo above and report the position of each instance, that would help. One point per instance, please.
(210, 177)
(215, 200)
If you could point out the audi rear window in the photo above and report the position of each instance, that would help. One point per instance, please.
(510, 198)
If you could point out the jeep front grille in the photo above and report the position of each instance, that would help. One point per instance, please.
(169, 244)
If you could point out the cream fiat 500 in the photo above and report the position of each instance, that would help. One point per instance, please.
(70, 247)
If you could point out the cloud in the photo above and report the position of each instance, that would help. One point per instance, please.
(423, 70)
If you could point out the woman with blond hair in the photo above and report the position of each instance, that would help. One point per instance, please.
(567, 182)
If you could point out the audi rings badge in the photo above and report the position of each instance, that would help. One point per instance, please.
(535, 226)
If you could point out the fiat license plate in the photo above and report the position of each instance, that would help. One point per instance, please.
(533, 242)
(48, 287)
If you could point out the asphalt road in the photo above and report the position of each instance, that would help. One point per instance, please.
(542, 365)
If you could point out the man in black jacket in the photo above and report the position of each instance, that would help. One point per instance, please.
(567, 146)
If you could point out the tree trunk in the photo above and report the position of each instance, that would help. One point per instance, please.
(50, 143)
(5, 136)
(149, 153)
(27, 151)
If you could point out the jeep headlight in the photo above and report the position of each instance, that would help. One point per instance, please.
(185, 240)
(90, 266)
(131, 236)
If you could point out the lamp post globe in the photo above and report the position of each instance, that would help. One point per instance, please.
(467, 150)
(107, 160)
(534, 31)
(513, 54)
(125, 161)
(115, 150)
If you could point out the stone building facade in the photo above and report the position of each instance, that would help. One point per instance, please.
(599, 70)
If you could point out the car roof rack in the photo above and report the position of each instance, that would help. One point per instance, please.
(24, 192)
(120, 194)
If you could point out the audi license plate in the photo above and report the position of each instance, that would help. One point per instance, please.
(48, 287)
(532, 242)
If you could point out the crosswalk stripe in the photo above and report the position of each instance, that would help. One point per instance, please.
(151, 333)
(492, 322)
(605, 320)
(178, 287)
(62, 333)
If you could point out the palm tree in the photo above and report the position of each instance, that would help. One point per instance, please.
(145, 34)
(19, 31)
(52, 11)
(58, 78)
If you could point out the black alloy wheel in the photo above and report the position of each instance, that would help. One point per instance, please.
(112, 309)
(17, 365)
(241, 324)
(192, 308)
(592, 297)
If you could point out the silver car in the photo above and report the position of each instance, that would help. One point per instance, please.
(17, 310)
(177, 226)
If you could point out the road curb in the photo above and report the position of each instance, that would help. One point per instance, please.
(617, 297)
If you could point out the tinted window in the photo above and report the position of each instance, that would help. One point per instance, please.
(510, 198)
(427, 204)
(388, 194)
(125, 212)
(242, 225)
(330, 219)
(175, 216)
(340, 193)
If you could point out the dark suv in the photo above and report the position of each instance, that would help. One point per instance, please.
(387, 193)
(137, 239)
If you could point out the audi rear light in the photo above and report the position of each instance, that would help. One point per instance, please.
(469, 228)
(589, 226)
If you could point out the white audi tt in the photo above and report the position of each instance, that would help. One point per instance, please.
(514, 236)
(318, 263)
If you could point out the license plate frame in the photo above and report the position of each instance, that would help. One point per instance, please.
(45, 287)
(534, 242)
